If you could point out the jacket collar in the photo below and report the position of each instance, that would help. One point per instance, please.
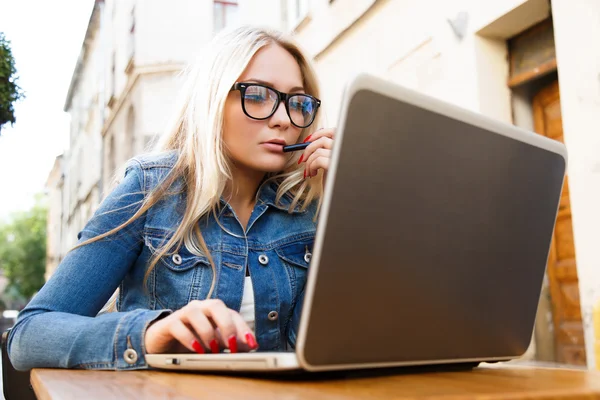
(268, 193)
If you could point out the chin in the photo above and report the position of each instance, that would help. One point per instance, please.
(271, 167)
(267, 166)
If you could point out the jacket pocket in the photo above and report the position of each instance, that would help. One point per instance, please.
(297, 253)
(296, 258)
(175, 259)
(178, 277)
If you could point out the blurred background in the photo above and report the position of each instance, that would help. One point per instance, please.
(85, 85)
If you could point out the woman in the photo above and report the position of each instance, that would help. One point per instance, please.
(208, 239)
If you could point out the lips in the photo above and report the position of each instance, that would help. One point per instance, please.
(274, 145)
(280, 142)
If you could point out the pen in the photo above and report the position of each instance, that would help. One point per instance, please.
(295, 147)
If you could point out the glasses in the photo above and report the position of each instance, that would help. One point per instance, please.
(260, 102)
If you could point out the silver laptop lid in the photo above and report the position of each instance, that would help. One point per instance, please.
(433, 237)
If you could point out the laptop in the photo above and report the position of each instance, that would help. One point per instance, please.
(431, 245)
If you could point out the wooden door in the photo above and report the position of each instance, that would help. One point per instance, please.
(562, 267)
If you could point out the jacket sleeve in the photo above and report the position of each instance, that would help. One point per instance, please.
(60, 327)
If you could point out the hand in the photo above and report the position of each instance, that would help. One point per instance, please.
(317, 155)
(201, 326)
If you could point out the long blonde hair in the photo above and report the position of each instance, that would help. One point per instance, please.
(196, 133)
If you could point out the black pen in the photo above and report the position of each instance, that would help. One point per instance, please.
(295, 147)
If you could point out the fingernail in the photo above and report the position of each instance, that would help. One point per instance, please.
(307, 139)
(214, 346)
(304, 174)
(301, 157)
(197, 347)
(251, 341)
(233, 344)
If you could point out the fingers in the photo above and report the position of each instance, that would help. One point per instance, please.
(185, 336)
(318, 160)
(209, 316)
(220, 315)
(323, 132)
(321, 138)
(246, 339)
(318, 153)
(194, 317)
(201, 327)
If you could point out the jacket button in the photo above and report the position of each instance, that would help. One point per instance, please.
(263, 259)
(273, 315)
(176, 259)
(307, 257)
(130, 356)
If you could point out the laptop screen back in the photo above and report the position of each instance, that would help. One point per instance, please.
(436, 240)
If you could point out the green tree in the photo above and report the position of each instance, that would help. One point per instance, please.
(10, 92)
(23, 249)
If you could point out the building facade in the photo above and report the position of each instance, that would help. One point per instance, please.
(56, 207)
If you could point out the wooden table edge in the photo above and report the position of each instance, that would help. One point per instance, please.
(45, 392)
(38, 388)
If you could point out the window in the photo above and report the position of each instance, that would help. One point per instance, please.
(130, 133)
(79, 173)
(131, 43)
(111, 157)
(297, 11)
(113, 79)
(532, 53)
(132, 19)
(225, 13)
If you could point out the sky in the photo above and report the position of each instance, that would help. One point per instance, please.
(46, 38)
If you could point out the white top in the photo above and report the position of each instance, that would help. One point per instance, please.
(247, 309)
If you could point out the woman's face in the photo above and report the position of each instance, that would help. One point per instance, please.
(257, 144)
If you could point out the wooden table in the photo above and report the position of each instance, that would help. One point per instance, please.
(487, 382)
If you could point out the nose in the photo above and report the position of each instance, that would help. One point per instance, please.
(280, 118)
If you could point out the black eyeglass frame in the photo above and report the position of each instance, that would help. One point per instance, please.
(242, 86)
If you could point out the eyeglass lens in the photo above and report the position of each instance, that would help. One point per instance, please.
(260, 102)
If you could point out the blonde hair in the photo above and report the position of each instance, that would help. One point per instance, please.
(196, 133)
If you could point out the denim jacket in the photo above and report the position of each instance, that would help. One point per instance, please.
(62, 327)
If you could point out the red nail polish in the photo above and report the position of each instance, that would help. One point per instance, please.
(307, 139)
(301, 157)
(304, 174)
(197, 347)
(233, 344)
(251, 341)
(214, 346)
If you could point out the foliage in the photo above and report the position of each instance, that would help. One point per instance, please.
(23, 250)
(10, 92)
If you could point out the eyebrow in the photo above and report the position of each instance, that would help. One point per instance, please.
(292, 90)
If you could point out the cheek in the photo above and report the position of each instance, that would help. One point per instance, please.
(298, 133)
(238, 129)
(232, 123)
(229, 117)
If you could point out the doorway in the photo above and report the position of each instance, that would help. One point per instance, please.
(533, 79)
